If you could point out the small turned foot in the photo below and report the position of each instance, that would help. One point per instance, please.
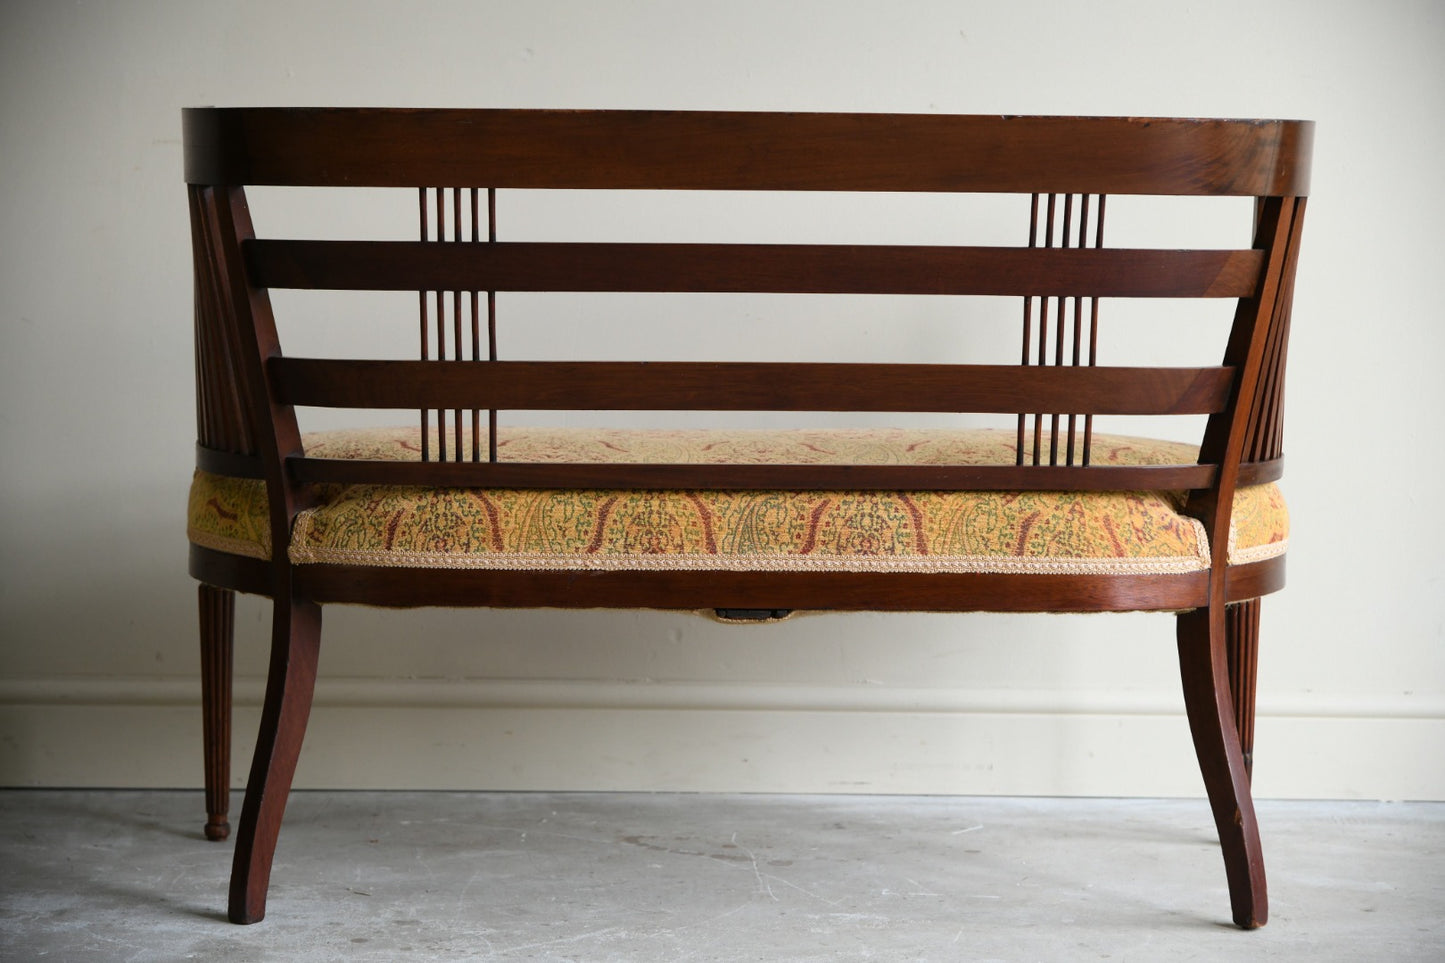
(217, 830)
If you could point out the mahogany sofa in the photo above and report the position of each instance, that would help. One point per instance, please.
(468, 507)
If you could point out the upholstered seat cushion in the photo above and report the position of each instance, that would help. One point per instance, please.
(1072, 532)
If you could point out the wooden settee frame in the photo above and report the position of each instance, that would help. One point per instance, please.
(248, 390)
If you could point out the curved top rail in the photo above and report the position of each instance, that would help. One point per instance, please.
(711, 150)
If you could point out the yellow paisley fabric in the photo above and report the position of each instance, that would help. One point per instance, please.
(1066, 532)
(229, 515)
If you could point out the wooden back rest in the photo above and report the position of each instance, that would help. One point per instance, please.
(456, 161)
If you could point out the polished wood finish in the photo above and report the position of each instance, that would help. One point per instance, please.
(218, 615)
(814, 591)
(1241, 633)
(689, 591)
(1203, 666)
(623, 475)
(1077, 446)
(296, 643)
(222, 399)
(224, 427)
(1068, 168)
(767, 268)
(746, 386)
(739, 151)
(755, 477)
(238, 572)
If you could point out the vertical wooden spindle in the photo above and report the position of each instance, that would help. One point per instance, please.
(1078, 321)
(1028, 322)
(425, 346)
(492, 323)
(1043, 351)
(441, 323)
(1093, 332)
(476, 330)
(457, 353)
(1060, 329)
(222, 402)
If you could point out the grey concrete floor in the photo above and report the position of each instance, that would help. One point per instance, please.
(596, 877)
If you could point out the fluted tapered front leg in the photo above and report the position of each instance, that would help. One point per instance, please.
(295, 644)
(218, 615)
(1241, 631)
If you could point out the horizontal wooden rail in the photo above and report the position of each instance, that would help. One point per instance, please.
(707, 590)
(729, 477)
(726, 476)
(217, 461)
(747, 386)
(808, 591)
(795, 268)
(745, 151)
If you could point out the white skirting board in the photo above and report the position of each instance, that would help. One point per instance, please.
(384, 734)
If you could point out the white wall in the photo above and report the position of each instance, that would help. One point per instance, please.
(97, 638)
